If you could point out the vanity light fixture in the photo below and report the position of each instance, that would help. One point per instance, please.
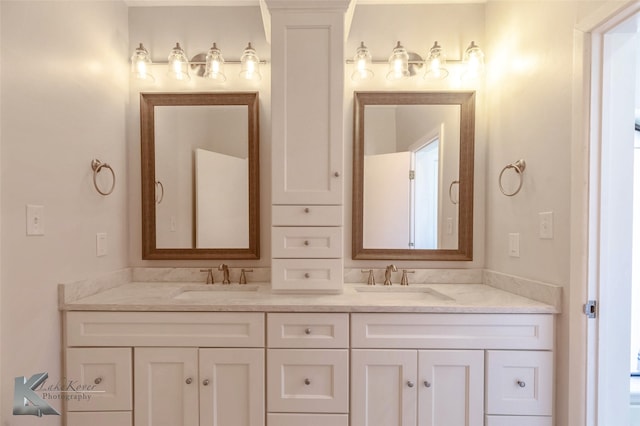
(398, 63)
(140, 64)
(362, 61)
(178, 64)
(249, 64)
(435, 63)
(214, 65)
(403, 63)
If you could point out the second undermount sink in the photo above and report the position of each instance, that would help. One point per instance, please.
(405, 292)
(200, 291)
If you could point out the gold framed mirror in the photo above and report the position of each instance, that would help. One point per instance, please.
(413, 157)
(200, 175)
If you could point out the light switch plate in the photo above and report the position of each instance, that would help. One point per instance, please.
(514, 245)
(35, 219)
(101, 244)
(545, 221)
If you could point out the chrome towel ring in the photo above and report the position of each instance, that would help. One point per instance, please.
(519, 167)
(455, 182)
(97, 166)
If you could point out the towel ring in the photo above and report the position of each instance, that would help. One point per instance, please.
(450, 193)
(161, 197)
(97, 166)
(519, 167)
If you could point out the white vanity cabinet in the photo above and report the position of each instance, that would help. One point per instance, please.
(451, 369)
(307, 79)
(307, 369)
(189, 368)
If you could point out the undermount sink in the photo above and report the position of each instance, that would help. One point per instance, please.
(201, 291)
(408, 292)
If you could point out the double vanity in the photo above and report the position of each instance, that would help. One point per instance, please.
(187, 353)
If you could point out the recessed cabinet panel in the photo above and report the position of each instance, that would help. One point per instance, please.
(290, 419)
(308, 380)
(306, 215)
(519, 421)
(306, 242)
(306, 275)
(520, 383)
(302, 330)
(105, 373)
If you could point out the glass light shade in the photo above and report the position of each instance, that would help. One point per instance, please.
(474, 61)
(362, 61)
(250, 64)
(214, 65)
(398, 63)
(141, 64)
(178, 64)
(435, 64)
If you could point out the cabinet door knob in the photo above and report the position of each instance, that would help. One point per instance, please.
(205, 382)
(307, 382)
(337, 174)
(307, 275)
(307, 331)
(307, 209)
(98, 380)
(521, 383)
(189, 380)
(410, 384)
(306, 242)
(427, 384)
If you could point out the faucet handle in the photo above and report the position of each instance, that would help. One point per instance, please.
(405, 279)
(209, 275)
(370, 280)
(243, 277)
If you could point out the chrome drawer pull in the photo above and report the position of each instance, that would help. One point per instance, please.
(427, 384)
(189, 380)
(521, 383)
(307, 331)
(306, 242)
(337, 174)
(205, 382)
(410, 384)
(307, 209)
(307, 275)
(307, 382)
(98, 380)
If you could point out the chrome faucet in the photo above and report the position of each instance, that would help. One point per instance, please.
(387, 273)
(209, 275)
(225, 273)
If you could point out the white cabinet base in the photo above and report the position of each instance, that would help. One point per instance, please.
(519, 421)
(280, 419)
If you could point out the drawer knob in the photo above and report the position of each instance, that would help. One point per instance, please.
(307, 331)
(98, 380)
(410, 384)
(307, 382)
(427, 384)
(337, 174)
(189, 380)
(307, 209)
(306, 242)
(205, 382)
(307, 275)
(521, 383)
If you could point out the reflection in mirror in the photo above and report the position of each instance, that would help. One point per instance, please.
(200, 172)
(413, 175)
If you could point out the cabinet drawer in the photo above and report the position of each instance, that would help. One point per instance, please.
(519, 382)
(306, 242)
(308, 330)
(306, 275)
(306, 215)
(105, 418)
(306, 380)
(519, 421)
(281, 419)
(461, 331)
(106, 372)
(198, 329)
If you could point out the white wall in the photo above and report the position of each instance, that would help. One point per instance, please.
(64, 90)
(196, 28)
(530, 81)
(417, 27)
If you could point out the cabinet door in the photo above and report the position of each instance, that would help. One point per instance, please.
(383, 387)
(166, 386)
(307, 153)
(451, 388)
(231, 387)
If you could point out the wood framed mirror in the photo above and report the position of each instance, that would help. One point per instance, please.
(413, 156)
(200, 175)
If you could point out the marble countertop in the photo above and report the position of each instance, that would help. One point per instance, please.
(258, 297)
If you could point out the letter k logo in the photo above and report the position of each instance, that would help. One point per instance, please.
(23, 393)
